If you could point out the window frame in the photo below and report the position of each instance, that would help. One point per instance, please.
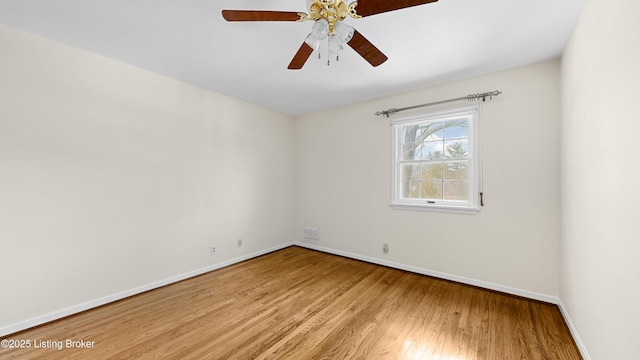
(472, 206)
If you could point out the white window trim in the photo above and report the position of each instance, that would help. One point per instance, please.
(475, 162)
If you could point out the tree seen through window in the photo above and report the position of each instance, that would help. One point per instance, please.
(435, 160)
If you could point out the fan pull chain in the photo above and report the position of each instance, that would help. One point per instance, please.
(328, 52)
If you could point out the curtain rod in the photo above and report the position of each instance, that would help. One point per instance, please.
(470, 97)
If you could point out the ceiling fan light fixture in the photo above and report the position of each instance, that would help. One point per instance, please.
(312, 41)
(335, 44)
(344, 32)
(320, 29)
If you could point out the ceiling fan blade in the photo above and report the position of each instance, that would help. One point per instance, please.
(301, 57)
(259, 15)
(372, 7)
(366, 49)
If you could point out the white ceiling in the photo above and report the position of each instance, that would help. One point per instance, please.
(189, 40)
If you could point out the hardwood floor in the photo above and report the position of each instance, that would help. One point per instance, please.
(301, 304)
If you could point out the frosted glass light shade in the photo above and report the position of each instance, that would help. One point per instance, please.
(320, 29)
(344, 32)
(312, 41)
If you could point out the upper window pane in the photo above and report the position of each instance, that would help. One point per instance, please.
(457, 129)
(456, 149)
(430, 132)
(431, 150)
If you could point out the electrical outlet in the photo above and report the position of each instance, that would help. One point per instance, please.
(213, 250)
(385, 248)
(239, 242)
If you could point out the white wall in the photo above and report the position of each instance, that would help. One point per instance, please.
(112, 177)
(342, 169)
(600, 270)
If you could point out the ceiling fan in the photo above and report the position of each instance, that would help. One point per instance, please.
(327, 16)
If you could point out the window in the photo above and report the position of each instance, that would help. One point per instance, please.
(436, 161)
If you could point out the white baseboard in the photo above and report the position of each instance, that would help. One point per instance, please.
(574, 331)
(39, 320)
(418, 270)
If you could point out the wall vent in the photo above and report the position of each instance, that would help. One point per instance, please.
(311, 233)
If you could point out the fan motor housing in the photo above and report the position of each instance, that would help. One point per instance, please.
(334, 11)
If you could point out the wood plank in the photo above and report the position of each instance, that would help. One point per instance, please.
(301, 304)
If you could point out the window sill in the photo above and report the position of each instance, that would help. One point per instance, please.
(436, 208)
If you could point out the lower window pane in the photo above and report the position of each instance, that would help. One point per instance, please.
(431, 190)
(457, 171)
(411, 189)
(432, 171)
(456, 190)
(411, 173)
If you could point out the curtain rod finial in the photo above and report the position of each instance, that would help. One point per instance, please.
(387, 113)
